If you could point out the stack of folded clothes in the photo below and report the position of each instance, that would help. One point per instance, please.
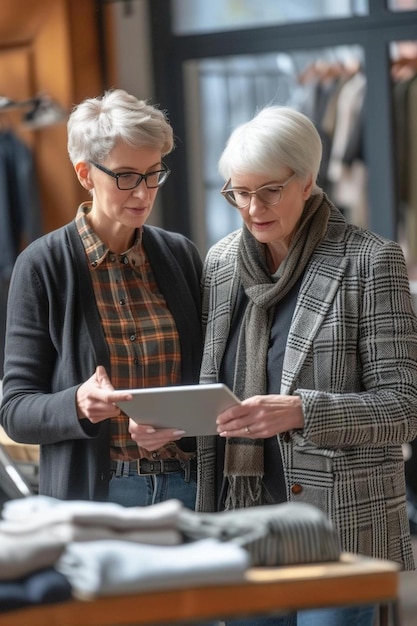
(91, 549)
(53, 550)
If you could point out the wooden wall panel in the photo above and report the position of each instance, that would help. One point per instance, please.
(16, 83)
(53, 73)
(50, 47)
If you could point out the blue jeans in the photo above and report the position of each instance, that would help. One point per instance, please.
(349, 616)
(139, 490)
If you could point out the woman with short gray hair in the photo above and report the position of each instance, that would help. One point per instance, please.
(106, 303)
(309, 320)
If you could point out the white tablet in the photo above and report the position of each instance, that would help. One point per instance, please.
(192, 408)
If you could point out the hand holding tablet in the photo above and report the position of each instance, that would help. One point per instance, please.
(192, 408)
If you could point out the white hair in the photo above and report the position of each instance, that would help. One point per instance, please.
(96, 124)
(276, 137)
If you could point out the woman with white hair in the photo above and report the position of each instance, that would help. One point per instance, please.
(105, 303)
(309, 320)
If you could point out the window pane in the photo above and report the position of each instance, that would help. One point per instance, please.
(198, 16)
(328, 85)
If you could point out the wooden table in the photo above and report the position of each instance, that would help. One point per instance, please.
(352, 580)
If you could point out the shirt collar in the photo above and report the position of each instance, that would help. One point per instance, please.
(96, 250)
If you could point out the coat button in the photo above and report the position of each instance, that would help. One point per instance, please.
(296, 489)
(286, 437)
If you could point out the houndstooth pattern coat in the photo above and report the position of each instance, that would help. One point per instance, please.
(351, 356)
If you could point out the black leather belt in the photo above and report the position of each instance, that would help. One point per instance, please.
(146, 466)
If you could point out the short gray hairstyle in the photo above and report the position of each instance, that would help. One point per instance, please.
(275, 137)
(96, 124)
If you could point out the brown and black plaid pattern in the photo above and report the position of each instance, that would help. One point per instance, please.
(140, 331)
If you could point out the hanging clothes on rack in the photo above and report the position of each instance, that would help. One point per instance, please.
(404, 75)
(336, 92)
(347, 172)
(20, 211)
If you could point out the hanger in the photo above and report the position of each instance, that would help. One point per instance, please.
(40, 111)
(44, 112)
(404, 63)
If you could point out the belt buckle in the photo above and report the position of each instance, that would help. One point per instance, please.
(141, 470)
(152, 467)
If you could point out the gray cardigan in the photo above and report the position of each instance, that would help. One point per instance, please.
(54, 342)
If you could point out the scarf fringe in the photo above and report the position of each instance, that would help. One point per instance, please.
(243, 492)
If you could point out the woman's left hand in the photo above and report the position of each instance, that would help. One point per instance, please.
(152, 438)
(260, 417)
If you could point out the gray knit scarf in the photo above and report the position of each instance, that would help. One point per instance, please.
(244, 463)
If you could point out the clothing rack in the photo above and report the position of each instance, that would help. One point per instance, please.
(37, 112)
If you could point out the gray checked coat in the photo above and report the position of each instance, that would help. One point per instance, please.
(351, 356)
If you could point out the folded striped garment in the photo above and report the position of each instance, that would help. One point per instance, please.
(282, 534)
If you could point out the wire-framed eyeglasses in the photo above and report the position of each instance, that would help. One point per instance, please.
(130, 180)
(240, 198)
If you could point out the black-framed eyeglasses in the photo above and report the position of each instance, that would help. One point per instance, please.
(130, 180)
(240, 198)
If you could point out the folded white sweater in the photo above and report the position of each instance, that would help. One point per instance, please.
(35, 530)
(101, 568)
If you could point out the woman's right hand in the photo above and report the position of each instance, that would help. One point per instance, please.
(96, 398)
